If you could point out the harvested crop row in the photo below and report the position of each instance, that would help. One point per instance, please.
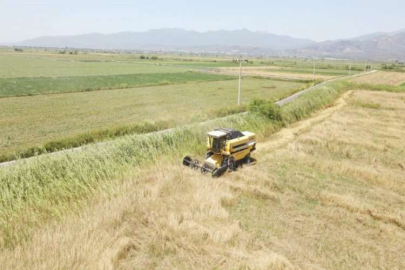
(381, 78)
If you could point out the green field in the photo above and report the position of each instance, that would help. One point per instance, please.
(56, 65)
(161, 92)
(162, 89)
(50, 85)
(15, 66)
(321, 64)
(34, 120)
(327, 72)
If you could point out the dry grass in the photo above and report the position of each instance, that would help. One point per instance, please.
(272, 72)
(328, 194)
(382, 77)
(340, 190)
(171, 219)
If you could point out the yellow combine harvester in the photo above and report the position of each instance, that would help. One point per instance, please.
(227, 149)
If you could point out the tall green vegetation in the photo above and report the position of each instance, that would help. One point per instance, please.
(267, 108)
(87, 138)
(303, 107)
(381, 87)
(314, 100)
(393, 67)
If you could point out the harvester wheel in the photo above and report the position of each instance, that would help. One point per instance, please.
(214, 173)
(187, 161)
(195, 165)
(247, 159)
(231, 164)
(204, 169)
(219, 171)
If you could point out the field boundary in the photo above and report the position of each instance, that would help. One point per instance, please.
(297, 95)
(121, 86)
(289, 134)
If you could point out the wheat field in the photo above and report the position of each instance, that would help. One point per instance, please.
(327, 193)
(383, 78)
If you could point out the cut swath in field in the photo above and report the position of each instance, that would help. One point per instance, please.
(334, 196)
(382, 78)
(273, 72)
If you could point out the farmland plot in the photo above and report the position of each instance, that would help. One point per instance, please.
(34, 120)
(320, 197)
(383, 77)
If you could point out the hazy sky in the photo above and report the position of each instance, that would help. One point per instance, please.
(317, 20)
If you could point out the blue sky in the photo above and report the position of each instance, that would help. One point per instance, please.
(317, 20)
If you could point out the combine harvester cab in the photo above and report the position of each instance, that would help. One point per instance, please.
(227, 149)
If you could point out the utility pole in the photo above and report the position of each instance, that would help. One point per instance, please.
(350, 69)
(240, 81)
(313, 73)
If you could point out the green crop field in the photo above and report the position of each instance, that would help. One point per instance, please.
(15, 66)
(34, 120)
(147, 88)
(320, 64)
(157, 90)
(328, 72)
(47, 85)
(56, 65)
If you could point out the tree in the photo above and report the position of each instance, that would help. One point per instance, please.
(267, 108)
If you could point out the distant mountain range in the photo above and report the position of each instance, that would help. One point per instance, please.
(377, 45)
(174, 39)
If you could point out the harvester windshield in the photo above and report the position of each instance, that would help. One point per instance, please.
(217, 144)
(216, 141)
